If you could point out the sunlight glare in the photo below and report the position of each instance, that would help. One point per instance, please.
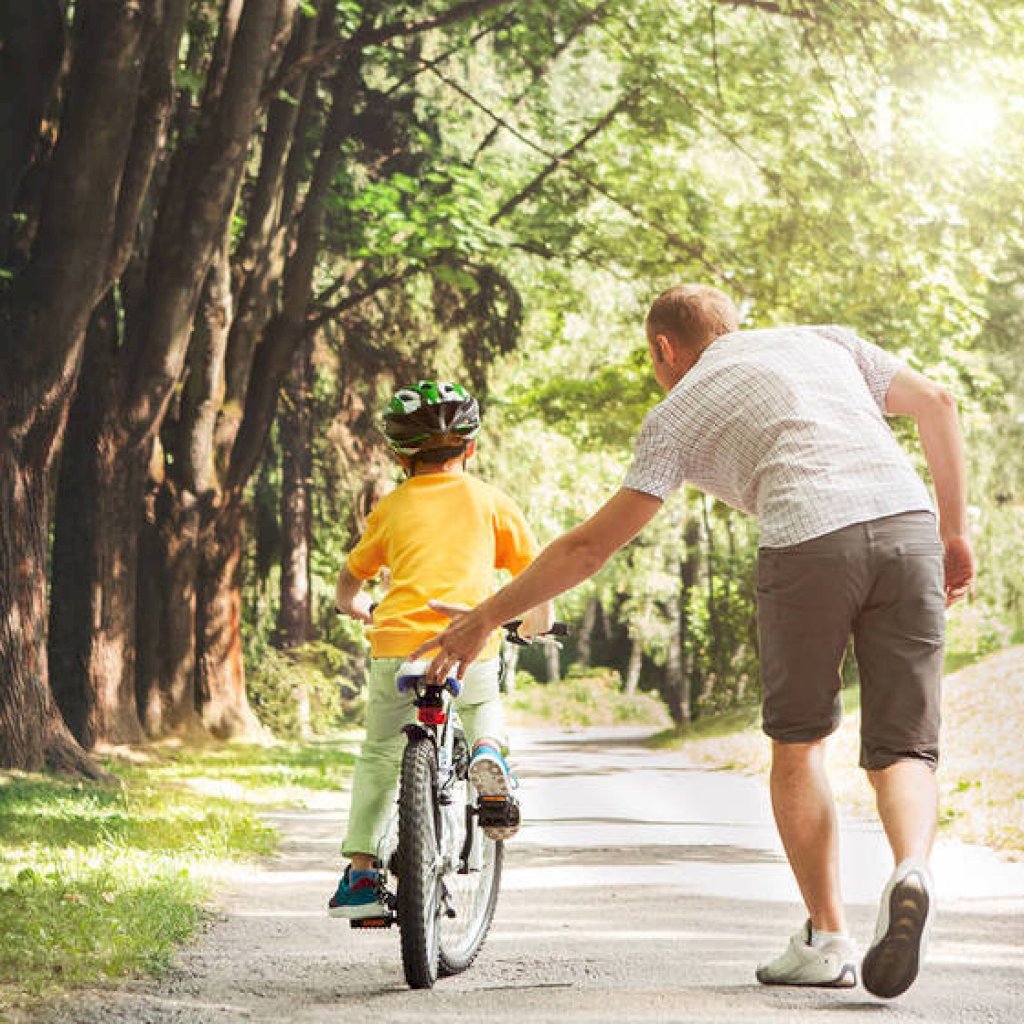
(963, 122)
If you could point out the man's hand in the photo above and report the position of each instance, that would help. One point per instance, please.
(959, 568)
(566, 561)
(458, 645)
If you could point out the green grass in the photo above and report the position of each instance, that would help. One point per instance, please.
(261, 771)
(590, 697)
(103, 880)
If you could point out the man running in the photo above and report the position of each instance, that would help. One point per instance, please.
(787, 424)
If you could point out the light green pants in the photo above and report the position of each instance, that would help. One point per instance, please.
(375, 783)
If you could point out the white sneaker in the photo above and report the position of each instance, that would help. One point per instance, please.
(904, 920)
(832, 965)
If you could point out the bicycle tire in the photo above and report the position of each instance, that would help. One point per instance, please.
(417, 864)
(454, 959)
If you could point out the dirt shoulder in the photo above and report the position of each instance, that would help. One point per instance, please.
(981, 773)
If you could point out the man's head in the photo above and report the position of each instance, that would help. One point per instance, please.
(682, 322)
(432, 423)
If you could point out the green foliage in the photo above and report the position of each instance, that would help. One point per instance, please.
(311, 690)
(586, 697)
(820, 170)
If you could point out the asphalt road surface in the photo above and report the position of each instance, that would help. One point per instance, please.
(641, 889)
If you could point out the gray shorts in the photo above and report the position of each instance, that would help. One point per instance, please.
(882, 582)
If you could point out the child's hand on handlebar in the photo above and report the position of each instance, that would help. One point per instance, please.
(360, 608)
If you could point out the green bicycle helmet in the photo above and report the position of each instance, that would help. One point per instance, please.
(431, 414)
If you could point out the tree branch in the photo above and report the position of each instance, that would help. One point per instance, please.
(771, 8)
(563, 158)
(691, 249)
(365, 36)
(588, 18)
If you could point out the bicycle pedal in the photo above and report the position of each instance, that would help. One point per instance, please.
(498, 811)
(374, 922)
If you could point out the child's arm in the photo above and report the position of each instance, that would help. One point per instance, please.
(350, 598)
(538, 620)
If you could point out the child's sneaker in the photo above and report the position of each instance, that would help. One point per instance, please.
(358, 896)
(832, 965)
(490, 776)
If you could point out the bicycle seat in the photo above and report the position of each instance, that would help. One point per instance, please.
(410, 675)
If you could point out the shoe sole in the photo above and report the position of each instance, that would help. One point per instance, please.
(847, 978)
(890, 966)
(358, 913)
(491, 782)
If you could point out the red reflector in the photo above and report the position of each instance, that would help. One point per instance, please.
(431, 716)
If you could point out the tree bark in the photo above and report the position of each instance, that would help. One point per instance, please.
(552, 663)
(294, 620)
(42, 329)
(636, 661)
(195, 209)
(584, 644)
(92, 628)
(220, 674)
(168, 573)
(674, 685)
(689, 569)
(33, 735)
(30, 59)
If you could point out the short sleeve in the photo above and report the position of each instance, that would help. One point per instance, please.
(876, 366)
(514, 544)
(369, 556)
(659, 465)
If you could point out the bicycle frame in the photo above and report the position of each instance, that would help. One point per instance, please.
(437, 720)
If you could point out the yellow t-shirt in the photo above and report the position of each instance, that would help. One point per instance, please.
(442, 535)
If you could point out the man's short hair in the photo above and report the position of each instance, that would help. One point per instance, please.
(693, 314)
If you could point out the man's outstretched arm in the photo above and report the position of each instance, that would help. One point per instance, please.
(571, 559)
(934, 409)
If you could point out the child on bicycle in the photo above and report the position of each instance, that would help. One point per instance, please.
(441, 534)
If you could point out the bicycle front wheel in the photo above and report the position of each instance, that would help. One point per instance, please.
(469, 890)
(419, 863)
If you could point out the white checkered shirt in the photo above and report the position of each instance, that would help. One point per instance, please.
(785, 424)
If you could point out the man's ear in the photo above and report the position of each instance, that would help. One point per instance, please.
(470, 449)
(663, 350)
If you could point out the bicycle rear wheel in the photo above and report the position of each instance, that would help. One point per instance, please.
(469, 894)
(418, 863)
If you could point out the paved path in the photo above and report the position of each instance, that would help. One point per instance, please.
(641, 890)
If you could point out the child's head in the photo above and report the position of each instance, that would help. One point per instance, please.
(431, 423)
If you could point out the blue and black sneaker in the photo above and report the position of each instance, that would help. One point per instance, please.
(494, 782)
(358, 896)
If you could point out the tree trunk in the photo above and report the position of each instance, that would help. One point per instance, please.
(509, 656)
(46, 308)
(552, 663)
(715, 676)
(93, 586)
(673, 687)
(168, 571)
(584, 643)
(33, 735)
(220, 672)
(294, 620)
(689, 569)
(636, 660)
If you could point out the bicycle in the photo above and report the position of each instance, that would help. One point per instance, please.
(446, 871)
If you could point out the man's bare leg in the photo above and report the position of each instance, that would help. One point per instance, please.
(907, 796)
(906, 793)
(806, 818)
